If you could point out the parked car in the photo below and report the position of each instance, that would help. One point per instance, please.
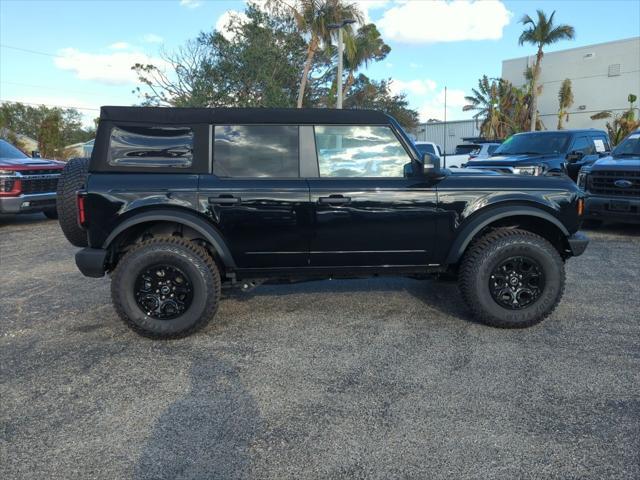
(27, 185)
(485, 150)
(612, 184)
(178, 201)
(429, 147)
(547, 152)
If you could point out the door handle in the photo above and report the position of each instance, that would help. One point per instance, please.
(334, 200)
(224, 200)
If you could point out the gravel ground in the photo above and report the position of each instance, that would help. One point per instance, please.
(381, 378)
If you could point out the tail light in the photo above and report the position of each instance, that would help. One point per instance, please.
(82, 215)
(10, 184)
(580, 206)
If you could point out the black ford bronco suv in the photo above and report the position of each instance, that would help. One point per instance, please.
(177, 202)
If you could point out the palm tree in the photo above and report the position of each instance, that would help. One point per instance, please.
(541, 33)
(313, 17)
(565, 100)
(365, 46)
(486, 103)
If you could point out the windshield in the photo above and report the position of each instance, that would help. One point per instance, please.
(534, 143)
(629, 146)
(425, 148)
(9, 151)
(465, 149)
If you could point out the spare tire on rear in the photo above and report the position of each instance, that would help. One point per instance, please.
(73, 178)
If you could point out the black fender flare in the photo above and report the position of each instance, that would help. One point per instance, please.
(187, 219)
(470, 230)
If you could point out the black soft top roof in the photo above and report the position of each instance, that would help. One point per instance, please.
(296, 116)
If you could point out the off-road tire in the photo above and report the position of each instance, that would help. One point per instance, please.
(73, 178)
(486, 253)
(197, 264)
(51, 214)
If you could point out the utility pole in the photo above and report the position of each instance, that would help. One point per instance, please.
(339, 27)
(445, 128)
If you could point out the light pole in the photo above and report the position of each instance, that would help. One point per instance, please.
(339, 26)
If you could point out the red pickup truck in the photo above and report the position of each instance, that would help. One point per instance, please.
(27, 184)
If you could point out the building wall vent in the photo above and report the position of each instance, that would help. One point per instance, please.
(589, 55)
(614, 70)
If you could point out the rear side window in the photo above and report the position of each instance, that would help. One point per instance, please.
(138, 146)
(254, 151)
(492, 148)
(584, 145)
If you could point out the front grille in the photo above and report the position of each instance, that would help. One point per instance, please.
(44, 171)
(39, 185)
(603, 183)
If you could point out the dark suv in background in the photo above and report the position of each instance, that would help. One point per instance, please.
(546, 153)
(27, 185)
(177, 202)
(612, 184)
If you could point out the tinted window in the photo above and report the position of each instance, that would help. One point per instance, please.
(359, 151)
(151, 147)
(466, 149)
(629, 146)
(492, 148)
(601, 144)
(584, 145)
(425, 148)
(534, 143)
(9, 151)
(255, 151)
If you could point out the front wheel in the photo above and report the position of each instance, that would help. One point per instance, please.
(166, 287)
(512, 278)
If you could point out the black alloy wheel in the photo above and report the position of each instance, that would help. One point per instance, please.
(517, 282)
(164, 292)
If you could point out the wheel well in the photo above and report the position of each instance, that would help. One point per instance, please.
(145, 230)
(536, 225)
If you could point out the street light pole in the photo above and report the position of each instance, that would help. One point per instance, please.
(339, 27)
(340, 55)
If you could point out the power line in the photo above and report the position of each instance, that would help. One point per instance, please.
(36, 52)
(49, 105)
(44, 87)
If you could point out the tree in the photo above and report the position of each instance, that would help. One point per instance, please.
(565, 101)
(313, 18)
(622, 124)
(31, 121)
(256, 65)
(362, 48)
(541, 34)
(376, 95)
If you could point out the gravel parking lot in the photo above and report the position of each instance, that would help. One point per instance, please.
(381, 378)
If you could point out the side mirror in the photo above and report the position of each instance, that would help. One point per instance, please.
(35, 154)
(575, 156)
(431, 163)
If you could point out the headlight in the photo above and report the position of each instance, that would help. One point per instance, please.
(582, 181)
(530, 170)
(7, 172)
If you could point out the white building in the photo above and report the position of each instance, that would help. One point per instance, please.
(602, 76)
(447, 135)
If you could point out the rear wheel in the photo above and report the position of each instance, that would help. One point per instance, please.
(166, 287)
(512, 278)
(73, 178)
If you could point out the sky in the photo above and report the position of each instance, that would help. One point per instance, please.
(79, 53)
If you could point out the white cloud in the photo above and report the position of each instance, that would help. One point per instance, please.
(190, 3)
(113, 68)
(119, 46)
(416, 87)
(367, 5)
(442, 21)
(434, 106)
(153, 38)
(224, 20)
